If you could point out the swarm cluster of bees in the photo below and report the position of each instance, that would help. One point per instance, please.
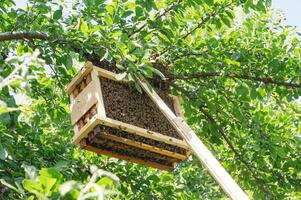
(125, 104)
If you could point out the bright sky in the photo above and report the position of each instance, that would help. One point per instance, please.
(291, 9)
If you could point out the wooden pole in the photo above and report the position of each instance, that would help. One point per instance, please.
(208, 160)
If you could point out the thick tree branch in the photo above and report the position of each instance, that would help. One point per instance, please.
(31, 35)
(265, 80)
(36, 35)
(23, 35)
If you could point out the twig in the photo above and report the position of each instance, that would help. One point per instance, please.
(265, 80)
(156, 18)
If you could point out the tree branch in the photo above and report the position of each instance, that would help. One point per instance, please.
(265, 80)
(23, 35)
(31, 35)
(36, 35)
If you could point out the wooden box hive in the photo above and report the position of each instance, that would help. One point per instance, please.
(112, 118)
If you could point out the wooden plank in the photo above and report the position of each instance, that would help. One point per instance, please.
(142, 132)
(221, 176)
(144, 146)
(78, 78)
(132, 159)
(109, 75)
(83, 102)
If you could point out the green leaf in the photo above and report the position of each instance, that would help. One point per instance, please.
(51, 173)
(119, 66)
(32, 186)
(209, 2)
(57, 14)
(7, 109)
(108, 20)
(226, 20)
(156, 71)
(261, 93)
(121, 76)
(243, 91)
(126, 14)
(130, 77)
(106, 183)
(230, 14)
(154, 178)
(83, 26)
(3, 153)
(105, 56)
(61, 165)
(68, 61)
(139, 11)
(138, 88)
(47, 183)
(31, 197)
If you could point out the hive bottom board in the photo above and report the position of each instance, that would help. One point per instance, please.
(113, 142)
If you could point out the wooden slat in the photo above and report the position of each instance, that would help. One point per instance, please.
(109, 75)
(144, 146)
(78, 78)
(84, 101)
(208, 160)
(142, 132)
(128, 158)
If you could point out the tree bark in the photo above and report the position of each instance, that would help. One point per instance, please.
(22, 35)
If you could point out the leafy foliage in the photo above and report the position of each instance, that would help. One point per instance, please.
(233, 62)
(48, 185)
